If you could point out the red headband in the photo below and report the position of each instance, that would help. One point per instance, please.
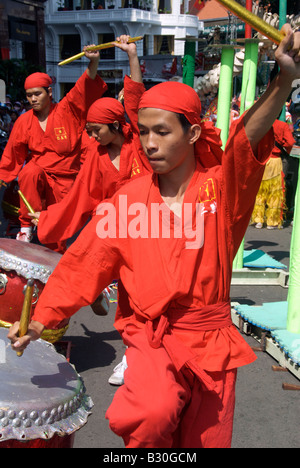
(181, 98)
(37, 80)
(106, 111)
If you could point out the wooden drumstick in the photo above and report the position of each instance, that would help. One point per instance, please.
(107, 45)
(26, 311)
(28, 206)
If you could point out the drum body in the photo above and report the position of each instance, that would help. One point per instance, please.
(42, 400)
(20, 261)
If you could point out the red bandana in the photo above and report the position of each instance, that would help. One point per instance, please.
(37, 80)
(106, 111)
(181, 98)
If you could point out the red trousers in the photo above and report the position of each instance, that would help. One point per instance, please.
(158, 407)
(41, 190)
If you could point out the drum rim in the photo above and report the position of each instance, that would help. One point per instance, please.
(25, 267)
(63, 414)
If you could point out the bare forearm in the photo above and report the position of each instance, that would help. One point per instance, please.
(92, 69)
(135, 69)
(260, 118)
(94, 57)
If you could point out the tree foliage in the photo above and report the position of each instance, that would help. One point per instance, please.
(14, 72)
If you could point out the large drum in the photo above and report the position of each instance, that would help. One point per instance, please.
(20, 261)
(43, 401)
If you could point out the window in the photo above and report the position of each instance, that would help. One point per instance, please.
(69, 45)
(106, 54)
(164, 45)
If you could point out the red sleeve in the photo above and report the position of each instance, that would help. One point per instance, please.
(288, 139)
(242, 175)
(89, 265)
(15, 152)
(62, 220)
(133, 92)
(84, 93)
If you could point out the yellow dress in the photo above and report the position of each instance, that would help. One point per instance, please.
(270, 200)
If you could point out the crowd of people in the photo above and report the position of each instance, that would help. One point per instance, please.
(10, 111)
(173, 310)
(274, 204)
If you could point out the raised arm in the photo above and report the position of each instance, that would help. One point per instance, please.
(130, 49)
(94, 57)
(261, 116)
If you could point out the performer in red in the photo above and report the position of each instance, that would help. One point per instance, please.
(47, 139)
(113, 157)
(171, 237)
(270, 203)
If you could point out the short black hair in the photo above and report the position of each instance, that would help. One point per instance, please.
(186, 125)
(113, 129)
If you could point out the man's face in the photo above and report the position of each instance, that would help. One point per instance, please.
(38, 98)
(101, 133)
(163, 139)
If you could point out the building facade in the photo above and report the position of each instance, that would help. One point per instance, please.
(71, 24)
(22, 30)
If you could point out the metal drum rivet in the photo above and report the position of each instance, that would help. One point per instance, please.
(16, 422)
(11, 414)
(54, 412)
(27, 423)
(4, 422)
(45, 414)
(33, 415)
(22, 414)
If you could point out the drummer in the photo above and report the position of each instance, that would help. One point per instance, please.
(181, 331)
(47, 139)
(113, 157)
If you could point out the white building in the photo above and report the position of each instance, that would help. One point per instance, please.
(71, 24)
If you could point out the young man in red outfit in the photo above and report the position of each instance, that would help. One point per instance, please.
(47, 139)
(171, 238)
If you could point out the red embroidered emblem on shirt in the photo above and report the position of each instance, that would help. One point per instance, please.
(207, 191)
(60, 133)
(135, 168)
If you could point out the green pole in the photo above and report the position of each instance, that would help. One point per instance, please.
(188, 71)
(225, 92)
(247, 100)
(282, 20)
(293, 315)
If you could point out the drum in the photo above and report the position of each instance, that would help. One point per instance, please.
(20, 261)
(43, 401)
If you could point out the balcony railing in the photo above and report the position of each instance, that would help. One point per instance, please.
(70, 5)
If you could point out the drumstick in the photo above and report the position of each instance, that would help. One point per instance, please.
(254, 21)
(26, 311)
(107, 45)
(28, 206)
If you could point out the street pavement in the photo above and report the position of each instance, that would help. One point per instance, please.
(266, 415)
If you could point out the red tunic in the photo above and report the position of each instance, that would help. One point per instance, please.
(283, 136)
(189, 287)
(57, 150)
(98, 178)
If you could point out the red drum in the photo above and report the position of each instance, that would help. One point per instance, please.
(43, 401)
(20, 261)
